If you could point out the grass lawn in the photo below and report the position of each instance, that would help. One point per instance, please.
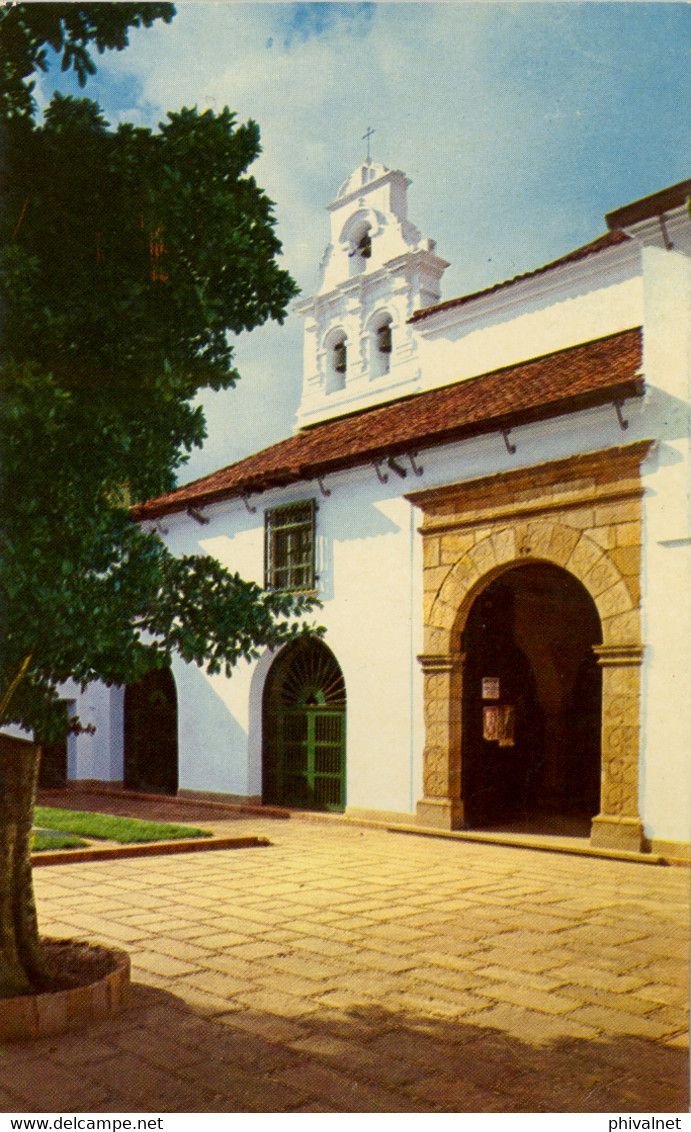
(46, 839)
(107, 827)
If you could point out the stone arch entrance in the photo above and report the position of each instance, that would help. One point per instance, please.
(151, 733)
(532, 702)
(583, 515)
(304, 714)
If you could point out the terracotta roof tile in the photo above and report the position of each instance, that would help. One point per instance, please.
(609, 240)
(655, 205)
(588, 374)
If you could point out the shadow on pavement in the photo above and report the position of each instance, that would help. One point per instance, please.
(160, 1055)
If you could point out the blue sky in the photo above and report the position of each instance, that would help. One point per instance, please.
(520, 125)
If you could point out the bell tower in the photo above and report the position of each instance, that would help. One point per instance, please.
(375, 273)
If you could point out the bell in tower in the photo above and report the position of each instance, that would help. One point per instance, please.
(376, 272)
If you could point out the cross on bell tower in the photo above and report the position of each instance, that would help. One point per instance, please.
(366, 137)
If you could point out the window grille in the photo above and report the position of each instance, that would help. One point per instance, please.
(289, 543)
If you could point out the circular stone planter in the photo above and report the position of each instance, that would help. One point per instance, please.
(55, 1012)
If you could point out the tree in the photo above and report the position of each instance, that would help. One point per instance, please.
(27, 30)
(127, 257)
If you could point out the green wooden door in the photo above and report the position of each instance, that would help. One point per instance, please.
(304, 729)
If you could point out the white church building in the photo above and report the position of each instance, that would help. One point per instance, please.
(489, 495)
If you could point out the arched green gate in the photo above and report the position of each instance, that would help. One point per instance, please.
(304, 729)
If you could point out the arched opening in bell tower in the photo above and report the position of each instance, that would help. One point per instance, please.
(532, 703)
(336, 352)
(360, 247)
(381, 345)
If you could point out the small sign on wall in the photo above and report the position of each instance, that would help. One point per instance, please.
(498, 724)
(490, 687)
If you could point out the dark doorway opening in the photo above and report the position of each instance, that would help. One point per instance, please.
(151, 734)
(532, 703)
(304, 712)
(52, 769)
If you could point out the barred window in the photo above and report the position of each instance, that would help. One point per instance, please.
(289, 547)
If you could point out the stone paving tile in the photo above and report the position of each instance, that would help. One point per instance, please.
(522, 940)
(674, 971)
(143, 1086)
(215, 940)
(160, 1050)
(205, 1004)
(116, 931)
(281, 1002)
(669, 995)
(342, 1092)
(192, 931)
(447, 1094)
(382, 961)
(454, 980)
(533, 979)
(595, 977)
(231, 1045)
(57, 1083)
(462, 963)
(285, 983)
(629, 1003)
(431, 1002)
(217, 983)
(531, 1025)
(391, 1072)
(82, 1047)
(550, 1002)
(622, 1022)
(227, 963)
(268, 1027)
(348, 969)
(164, 965)
(309, 966)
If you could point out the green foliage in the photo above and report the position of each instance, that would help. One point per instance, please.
(127, 258)
(27, 30)
(127, 299)
(111, 827)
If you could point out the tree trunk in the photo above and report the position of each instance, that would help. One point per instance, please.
(22, 964)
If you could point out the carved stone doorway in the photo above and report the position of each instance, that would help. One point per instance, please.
(581, 515)
(532, 703)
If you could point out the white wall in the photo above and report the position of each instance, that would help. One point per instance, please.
(370, 581)
(96, 753)
(599, 296)
(368, 552)
(666, 778)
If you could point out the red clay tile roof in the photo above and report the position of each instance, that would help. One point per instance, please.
(609, 240)
(656, 204)
(589, 374)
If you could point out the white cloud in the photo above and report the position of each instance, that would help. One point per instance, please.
(519, 124)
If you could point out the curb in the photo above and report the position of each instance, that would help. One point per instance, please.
(148, 849)
(240, 808)
(506, 841)
(27, 1017)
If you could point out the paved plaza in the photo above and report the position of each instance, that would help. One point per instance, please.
(345, 968)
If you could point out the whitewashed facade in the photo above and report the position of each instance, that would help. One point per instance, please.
(398, 581)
